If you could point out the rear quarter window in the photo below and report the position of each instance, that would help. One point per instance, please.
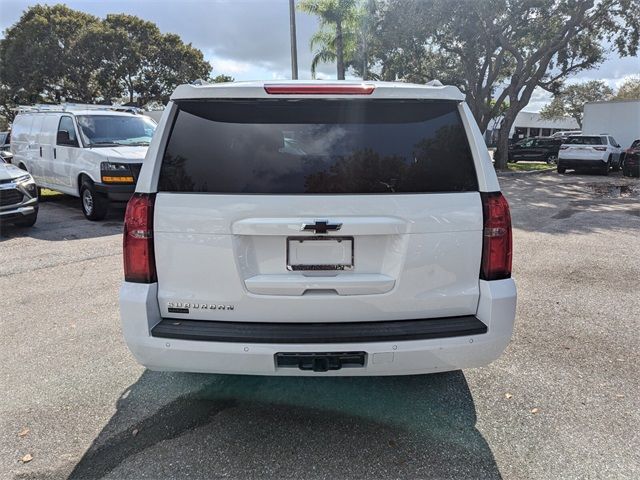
(584, 140)
(317, 147)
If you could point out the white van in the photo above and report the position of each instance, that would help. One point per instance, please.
(317, 229)
(91, 152)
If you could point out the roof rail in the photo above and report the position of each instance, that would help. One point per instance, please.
(70, 107)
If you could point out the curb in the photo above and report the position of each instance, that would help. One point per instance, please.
(532, 172)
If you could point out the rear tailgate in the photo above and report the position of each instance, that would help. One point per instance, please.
(317, 211)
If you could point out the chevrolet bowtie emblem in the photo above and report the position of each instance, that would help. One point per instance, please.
(321, 226)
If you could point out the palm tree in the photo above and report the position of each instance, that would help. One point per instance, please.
(335, 16)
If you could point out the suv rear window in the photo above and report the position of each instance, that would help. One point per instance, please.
(584, 141)
(317, 147)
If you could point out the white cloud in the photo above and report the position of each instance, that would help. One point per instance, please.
(229, 66)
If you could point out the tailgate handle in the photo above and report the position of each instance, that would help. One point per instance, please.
(298, 285)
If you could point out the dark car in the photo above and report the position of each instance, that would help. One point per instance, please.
(631, 162)
(538, 149)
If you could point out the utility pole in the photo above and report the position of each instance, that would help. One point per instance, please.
(294, 48)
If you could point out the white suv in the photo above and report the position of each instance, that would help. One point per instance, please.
(599, 152)
(317, 229)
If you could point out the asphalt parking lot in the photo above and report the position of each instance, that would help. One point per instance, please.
(563, 402)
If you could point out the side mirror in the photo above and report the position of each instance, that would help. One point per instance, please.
(64, 139)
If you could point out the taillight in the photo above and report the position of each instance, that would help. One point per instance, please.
(139, 259)
(319, 89)
(600, 149)
(496, 238)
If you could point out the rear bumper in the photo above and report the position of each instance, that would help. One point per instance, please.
(116, 193)
(140, 315)
(579, 164)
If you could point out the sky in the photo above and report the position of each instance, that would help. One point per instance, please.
(249, 39)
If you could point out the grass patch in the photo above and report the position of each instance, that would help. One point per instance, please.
(528, 166)
(45, 192)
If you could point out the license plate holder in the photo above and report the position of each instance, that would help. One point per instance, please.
(319, 253)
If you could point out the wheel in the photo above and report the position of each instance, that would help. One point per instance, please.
(552, 158)
(94, 205)
(617, 166)
(606, 168)
(28, 220)
(561, 169)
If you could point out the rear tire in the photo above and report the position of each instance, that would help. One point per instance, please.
(561, 169)
(606, 168)
(616, 167)
(552, 159)
(94, 205)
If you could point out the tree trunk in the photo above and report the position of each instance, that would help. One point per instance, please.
(502, 153)
(365, 59)
(339, 50)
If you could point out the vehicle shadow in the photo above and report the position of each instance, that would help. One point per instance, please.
(248, 427)
(60, 218)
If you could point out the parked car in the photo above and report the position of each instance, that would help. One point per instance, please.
(539, 149)
(5, 138)
(565, 134)
(631, 163)
(317, 229)
(90, 152)
(6, 156)
(18, 196)
(590, 152)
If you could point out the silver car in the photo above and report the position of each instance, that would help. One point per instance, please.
(18, 196)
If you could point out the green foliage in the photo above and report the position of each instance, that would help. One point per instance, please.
(499, 51)
(570, 100)
(222, 79)
(336, 39)
(630, 89)
(54, 53)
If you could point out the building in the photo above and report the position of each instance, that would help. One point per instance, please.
(618, 118)
(530, 124)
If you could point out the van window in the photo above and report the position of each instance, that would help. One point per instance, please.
(317, 147)
(66, 125)
(112, 130)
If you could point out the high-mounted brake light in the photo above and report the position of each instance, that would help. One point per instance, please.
(320, 89)
(139, 258)
(496, 238)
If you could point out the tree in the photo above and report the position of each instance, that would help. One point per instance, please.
(54, 54)
(222, 79)
(170, 64)
(329, 41)
(570, 100)
(630, 89)
(38, 57)
(502, 50)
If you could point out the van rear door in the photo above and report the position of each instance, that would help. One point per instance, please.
(317, 210)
